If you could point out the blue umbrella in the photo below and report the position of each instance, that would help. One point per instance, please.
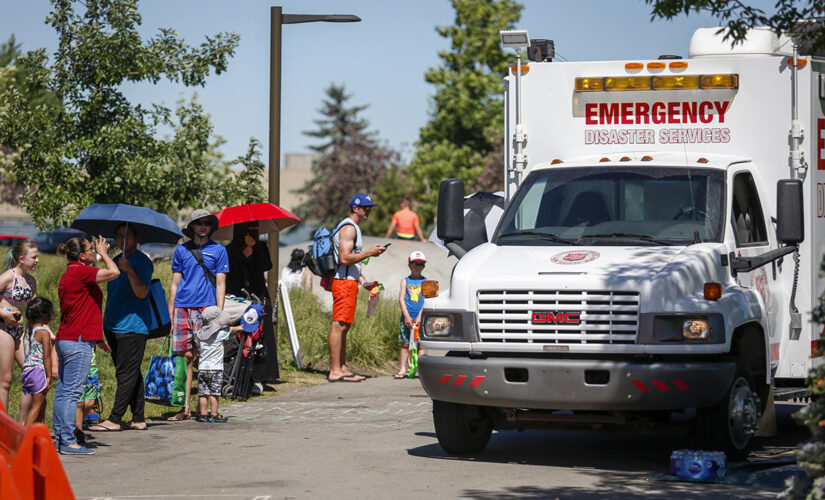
(152, 227)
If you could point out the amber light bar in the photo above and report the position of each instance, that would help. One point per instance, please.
(658, 82)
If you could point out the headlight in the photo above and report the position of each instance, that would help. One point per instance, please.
(696, 329)
(439, 326)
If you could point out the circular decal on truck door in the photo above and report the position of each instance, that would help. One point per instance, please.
(574, 257)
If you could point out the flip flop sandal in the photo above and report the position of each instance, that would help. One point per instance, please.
(179, 416)
(101, 428)
(345, 378)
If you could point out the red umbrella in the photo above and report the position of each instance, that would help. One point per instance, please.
(271, 218)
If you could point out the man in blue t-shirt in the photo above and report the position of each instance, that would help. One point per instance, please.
(126, 326)
(199, 269)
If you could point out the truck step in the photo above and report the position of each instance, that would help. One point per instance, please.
(791, 394)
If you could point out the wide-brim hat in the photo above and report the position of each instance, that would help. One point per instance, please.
(200, 214)
(214, 319)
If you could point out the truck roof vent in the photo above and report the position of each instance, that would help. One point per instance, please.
(709, 42)
(669, 56)
(541, 50)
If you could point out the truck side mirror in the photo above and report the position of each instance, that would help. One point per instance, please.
(450, 226)
(790, 218)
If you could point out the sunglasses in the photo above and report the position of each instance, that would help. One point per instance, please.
(202, 223)
(418, 264)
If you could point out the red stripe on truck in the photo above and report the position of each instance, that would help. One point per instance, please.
(444, 379)
(460, 379)
(660, 385)
(476, 381)
(680, 385)
(640, 385)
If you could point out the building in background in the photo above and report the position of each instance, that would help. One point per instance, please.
(295, 172)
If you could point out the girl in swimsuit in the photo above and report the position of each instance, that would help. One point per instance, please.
(17, 288)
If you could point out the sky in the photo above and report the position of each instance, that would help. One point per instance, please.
(380, 60)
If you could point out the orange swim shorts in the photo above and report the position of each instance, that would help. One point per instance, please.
(344, 298)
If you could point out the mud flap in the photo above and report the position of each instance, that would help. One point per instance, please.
(767, 422)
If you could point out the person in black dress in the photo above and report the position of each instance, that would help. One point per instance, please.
(248, 261)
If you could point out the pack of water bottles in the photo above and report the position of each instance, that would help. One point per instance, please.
(698, 464)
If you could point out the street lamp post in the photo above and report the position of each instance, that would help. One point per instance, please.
(276, 20)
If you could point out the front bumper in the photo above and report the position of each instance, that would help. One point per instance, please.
(567, 384)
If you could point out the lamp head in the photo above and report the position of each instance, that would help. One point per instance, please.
(514, 39)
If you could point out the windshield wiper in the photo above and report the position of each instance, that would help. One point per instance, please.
(534, 234)
(642, 237)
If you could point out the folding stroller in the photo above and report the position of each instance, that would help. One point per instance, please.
(240, 351)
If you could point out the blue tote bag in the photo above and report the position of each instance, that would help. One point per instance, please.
(165, 382)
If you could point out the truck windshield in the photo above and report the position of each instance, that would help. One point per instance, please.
(624, 206)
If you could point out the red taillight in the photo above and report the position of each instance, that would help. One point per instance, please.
(814, 346)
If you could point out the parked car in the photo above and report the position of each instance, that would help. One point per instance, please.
(47, 241)
(9, 240)
(158, 251)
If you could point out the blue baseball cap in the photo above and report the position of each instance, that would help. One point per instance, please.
(361, 200)
(252, 318)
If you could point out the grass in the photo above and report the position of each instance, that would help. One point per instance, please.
(372, 345)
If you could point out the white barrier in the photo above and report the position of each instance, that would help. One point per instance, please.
(290, 325)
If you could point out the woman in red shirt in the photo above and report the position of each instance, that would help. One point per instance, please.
(81, 327)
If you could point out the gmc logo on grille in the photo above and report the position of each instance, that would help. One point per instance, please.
(556, 318)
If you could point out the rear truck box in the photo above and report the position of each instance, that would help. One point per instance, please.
(657, 259)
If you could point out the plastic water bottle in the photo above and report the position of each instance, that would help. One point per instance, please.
(373, 302)
(698, 464)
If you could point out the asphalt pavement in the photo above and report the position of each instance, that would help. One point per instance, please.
(375, 439)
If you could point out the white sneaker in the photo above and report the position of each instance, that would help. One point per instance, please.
(257, 388)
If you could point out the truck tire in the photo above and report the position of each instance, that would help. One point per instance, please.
(731, 425)
(461, 429)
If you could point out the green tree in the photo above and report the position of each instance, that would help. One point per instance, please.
(388, 191)
(787, 17)
(466, 116)
(352, 160)
(95, 146)
(12, 79)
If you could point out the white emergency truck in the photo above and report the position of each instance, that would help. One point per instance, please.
(658, 257)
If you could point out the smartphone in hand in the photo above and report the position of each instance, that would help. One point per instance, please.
(388, 244)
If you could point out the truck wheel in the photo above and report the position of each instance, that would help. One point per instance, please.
(461, 429)
(731, 425)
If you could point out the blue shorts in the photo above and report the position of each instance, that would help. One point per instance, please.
(405, 333)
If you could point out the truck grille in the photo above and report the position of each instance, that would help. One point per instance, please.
(606, 317)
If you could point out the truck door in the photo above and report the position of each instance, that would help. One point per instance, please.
(752, 238)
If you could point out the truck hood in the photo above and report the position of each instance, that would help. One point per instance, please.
(660, 273)
(627, 262)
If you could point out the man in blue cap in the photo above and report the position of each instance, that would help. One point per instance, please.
(349, 253)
